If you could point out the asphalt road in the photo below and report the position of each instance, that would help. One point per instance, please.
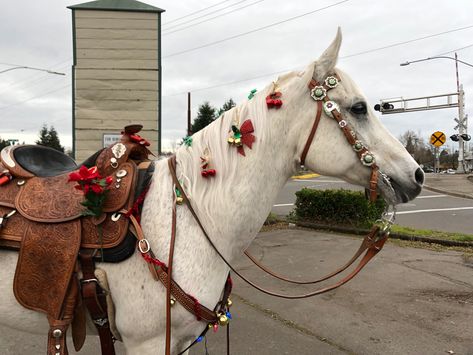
(430, 210)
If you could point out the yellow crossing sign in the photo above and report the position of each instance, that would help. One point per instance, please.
(438, 138)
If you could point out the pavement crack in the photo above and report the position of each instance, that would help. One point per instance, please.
(291, 324)
(457, 282)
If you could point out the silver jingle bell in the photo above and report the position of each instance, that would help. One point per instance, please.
(318, 93)
(367, 159)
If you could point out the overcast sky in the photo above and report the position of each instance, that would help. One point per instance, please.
(38, 33)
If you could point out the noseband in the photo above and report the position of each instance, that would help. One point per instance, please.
(319, 94)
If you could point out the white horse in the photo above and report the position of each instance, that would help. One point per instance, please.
(234, 203)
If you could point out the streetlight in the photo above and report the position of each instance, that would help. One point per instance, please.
(32, 68)
(461, 116)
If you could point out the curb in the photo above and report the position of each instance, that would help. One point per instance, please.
(305, 176)
(446, 192)
(360, 231)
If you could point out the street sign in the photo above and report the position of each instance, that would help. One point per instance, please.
(438, 138)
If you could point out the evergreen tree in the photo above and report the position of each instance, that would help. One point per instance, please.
(205, 116)
(49, 137)
(229, 104)
(3, 143)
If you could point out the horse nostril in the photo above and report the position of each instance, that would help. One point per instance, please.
(419, 175)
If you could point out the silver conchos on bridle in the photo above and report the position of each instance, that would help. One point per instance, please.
(318, 93)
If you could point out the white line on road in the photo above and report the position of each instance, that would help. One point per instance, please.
(436, 210)
(284, 205)
(431, 196)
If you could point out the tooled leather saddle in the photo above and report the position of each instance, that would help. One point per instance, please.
(43, 220)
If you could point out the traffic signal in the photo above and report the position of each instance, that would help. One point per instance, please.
(455, 137)
(386, 106)
(466, 137)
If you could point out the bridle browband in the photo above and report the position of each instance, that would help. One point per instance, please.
(319, 93)
(371, 244)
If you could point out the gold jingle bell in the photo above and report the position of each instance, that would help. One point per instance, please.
(231, 140)
(223, 319)
(172, 302)
(229, 302)
(179, 200)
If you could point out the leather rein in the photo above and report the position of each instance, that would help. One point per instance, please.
(371, 244)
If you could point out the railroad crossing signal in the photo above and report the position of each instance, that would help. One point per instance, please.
(438, 138)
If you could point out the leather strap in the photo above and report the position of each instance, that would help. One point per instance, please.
(201, 312)
(96, 303)
(312, 132)
(169, 278)
(372, 251)
(367, 242)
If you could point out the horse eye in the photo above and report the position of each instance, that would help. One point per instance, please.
(359, 108)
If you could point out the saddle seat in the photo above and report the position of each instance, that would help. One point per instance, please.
(36, 160)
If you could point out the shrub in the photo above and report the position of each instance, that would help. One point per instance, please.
(341, 207)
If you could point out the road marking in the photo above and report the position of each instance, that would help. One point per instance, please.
(436, 210)
(431, 196)
(284, 205)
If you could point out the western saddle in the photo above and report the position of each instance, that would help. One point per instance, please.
(41, 216)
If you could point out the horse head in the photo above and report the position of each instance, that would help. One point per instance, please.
(340, 144)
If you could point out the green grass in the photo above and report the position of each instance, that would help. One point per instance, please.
(432, 233)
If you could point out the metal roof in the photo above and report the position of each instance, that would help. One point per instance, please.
(117, 5)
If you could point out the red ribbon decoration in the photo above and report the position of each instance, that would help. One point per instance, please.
(273, 100)
(247, 138)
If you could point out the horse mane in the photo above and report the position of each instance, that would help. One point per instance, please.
(224, 158)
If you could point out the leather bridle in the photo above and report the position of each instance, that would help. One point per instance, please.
(320, 94)
(370, 245)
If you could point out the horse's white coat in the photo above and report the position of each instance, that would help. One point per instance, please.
(232, 205)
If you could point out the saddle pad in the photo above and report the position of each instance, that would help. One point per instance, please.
(46, 262)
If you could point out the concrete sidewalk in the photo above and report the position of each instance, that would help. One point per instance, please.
(459, 185)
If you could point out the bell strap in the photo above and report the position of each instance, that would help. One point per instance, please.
(160, 273)
(370, 253)
(367, 242)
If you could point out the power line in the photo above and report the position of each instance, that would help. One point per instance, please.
(199, 17)
(456, 50)
(255, 30)
(212, 18)
(35, 97)
(344, 57)
(409, 41)
(195, 12)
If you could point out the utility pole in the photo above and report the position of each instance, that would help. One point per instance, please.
(189, 127)
(461, 130)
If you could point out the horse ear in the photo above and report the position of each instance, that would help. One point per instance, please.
(327, 61)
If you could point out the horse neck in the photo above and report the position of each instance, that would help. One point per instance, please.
(234, 204)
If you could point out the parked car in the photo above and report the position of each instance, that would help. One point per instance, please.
(450, 171)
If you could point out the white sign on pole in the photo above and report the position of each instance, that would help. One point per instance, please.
(110, 138)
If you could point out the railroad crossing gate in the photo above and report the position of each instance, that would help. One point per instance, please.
(438, 139)
(116, 74)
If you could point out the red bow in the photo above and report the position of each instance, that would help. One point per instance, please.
(135, 138)
(273, 100)
(208, 172)
(247, 138)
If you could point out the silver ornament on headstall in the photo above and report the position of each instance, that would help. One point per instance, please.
(318, 93)
(329, 106)
(367, 159)
(331, 82)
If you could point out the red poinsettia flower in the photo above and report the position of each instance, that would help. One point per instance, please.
(96, 188)
(85, 174)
